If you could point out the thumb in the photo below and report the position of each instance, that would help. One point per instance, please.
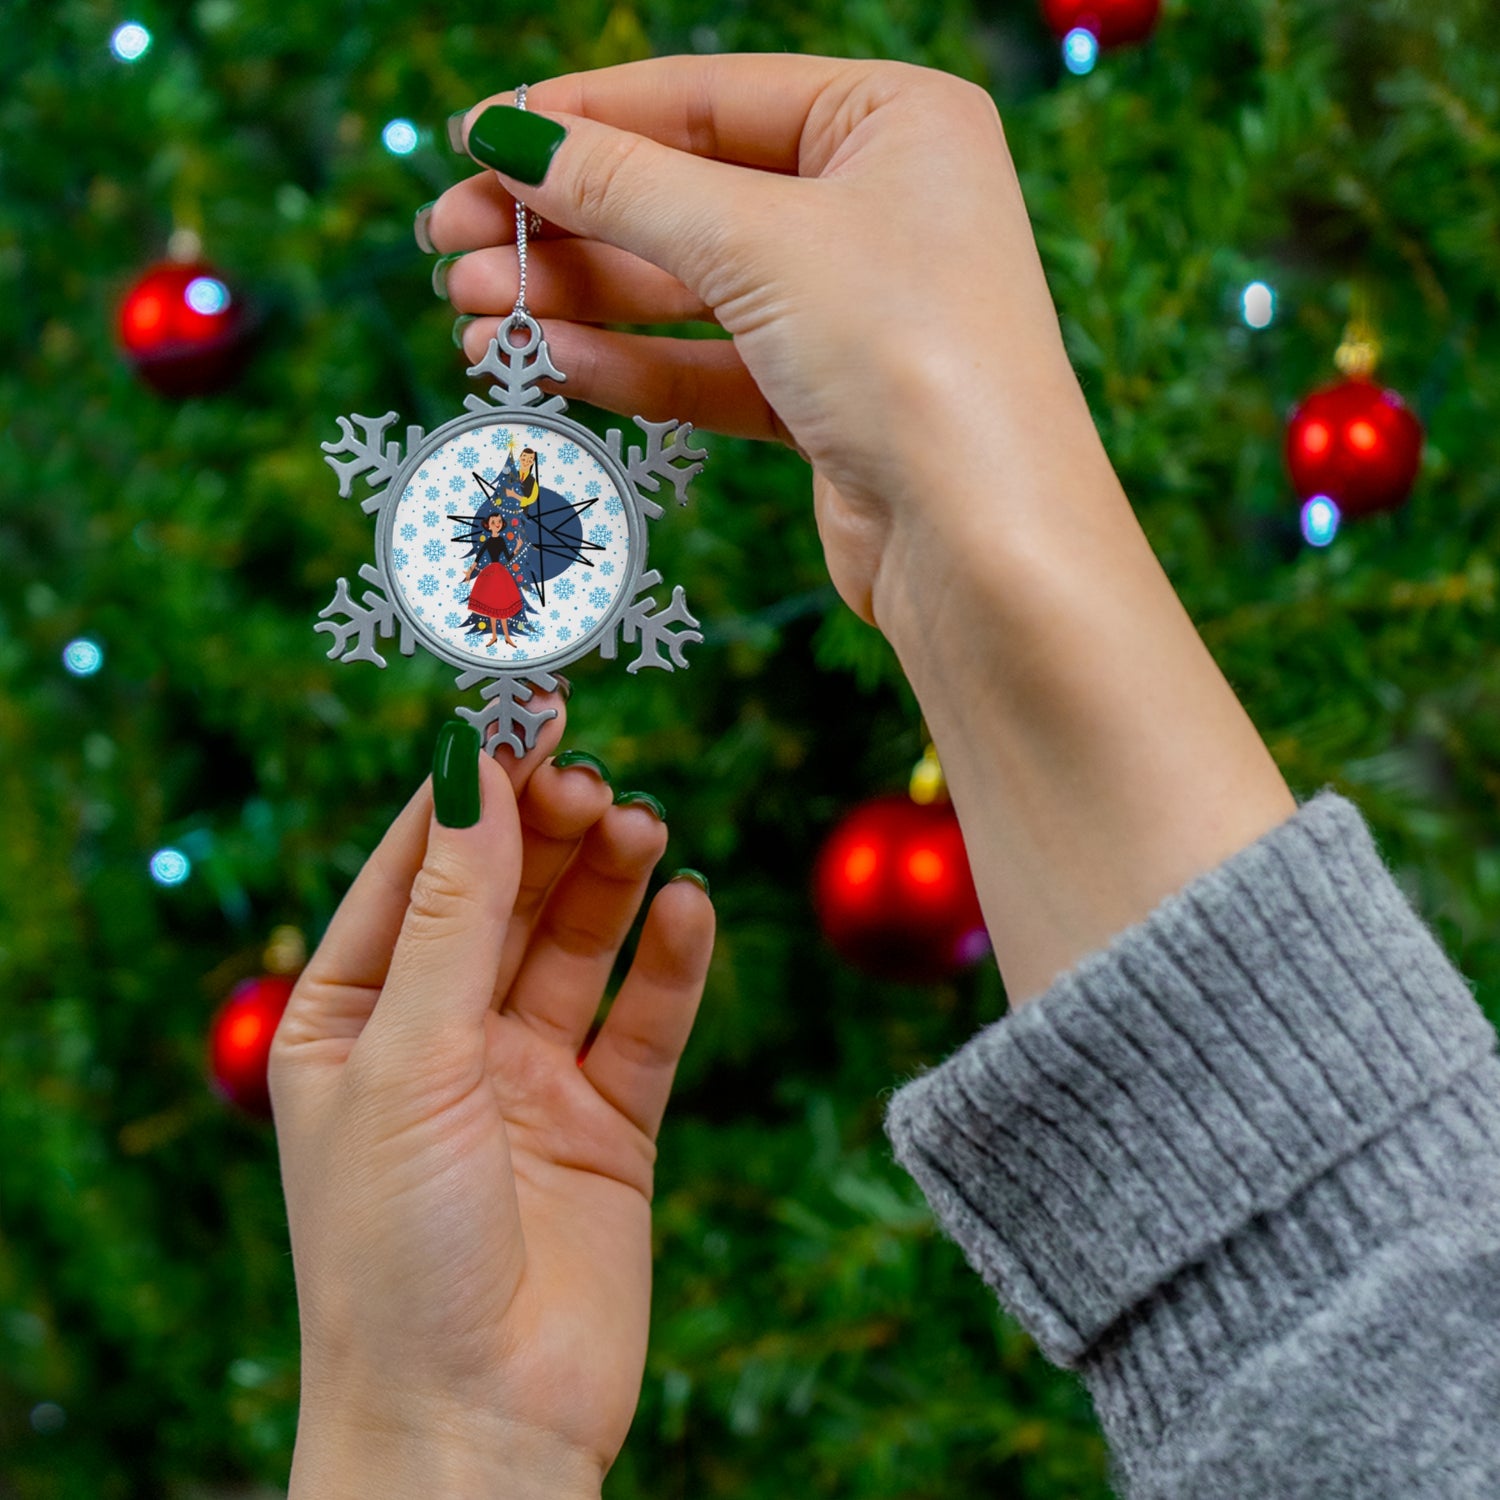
(442, 971)
(689, 215)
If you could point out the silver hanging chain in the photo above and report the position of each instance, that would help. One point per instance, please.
(520, 310)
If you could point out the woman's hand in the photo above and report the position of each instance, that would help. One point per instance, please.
(469, 1205)
(858, 229)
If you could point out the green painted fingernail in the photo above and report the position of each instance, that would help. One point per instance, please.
(642, 799)
(698, 878)
(419, 228)
(459, 324)
(583, 758)
(440, 273)
(456, 130)
(455, 775)
(515, 141)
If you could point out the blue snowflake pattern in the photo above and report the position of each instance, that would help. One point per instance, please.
(491, 473)
(408, 533)
(452, 572)
(599, 598)
(568, 453)
(613, 507)
(586, 624)
(592, 488)
(606, 567)
(456, 483)
(423, 474)
(564, 588)
(563, 633)
(431, 517)
(555, 615)
(468, 457)
(536, 432)
(599, 535)
(432, 492)
(427, 585)
(399, 557)
(420, 611)
(453, 619)
(432, 550)
(407, 493)
(492, 650)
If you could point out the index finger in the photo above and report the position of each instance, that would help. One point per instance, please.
(755, 109)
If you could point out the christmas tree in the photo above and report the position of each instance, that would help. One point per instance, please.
(183, 771)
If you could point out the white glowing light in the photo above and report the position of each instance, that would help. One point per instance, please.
(399, 137)
(1320, 521)
(1080, 50)
(130, 42)
(206, 295)
(1258, 304)
(170, 867)
(83, 657)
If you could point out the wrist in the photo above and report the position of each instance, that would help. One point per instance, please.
(413, 1448)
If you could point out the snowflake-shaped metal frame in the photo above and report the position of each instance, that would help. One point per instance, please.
(637, 473)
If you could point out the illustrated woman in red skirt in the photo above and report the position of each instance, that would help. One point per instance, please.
(495, 596)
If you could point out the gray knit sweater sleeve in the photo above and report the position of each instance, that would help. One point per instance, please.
(1241, 1169)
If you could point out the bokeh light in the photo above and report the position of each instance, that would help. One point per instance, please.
(170, 867)
(130, 42)
(1258, 304)
(1080, 50)
(1320, 521)
(83, 657)
(399, 137)
(207, 295)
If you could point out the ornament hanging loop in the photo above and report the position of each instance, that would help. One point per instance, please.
(520, 318)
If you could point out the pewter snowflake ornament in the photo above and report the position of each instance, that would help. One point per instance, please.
(511, 541)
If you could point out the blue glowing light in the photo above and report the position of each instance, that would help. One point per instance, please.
(1320, 521)
(206, 295)
(130, 42)
(1258, 304)
(399, 137)
(170, 867)
(1080, 50)
(83, 657)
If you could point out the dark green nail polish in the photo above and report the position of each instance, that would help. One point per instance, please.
(698, 878)
(641, 799)
(583, 758)
(459, 324)
(420, 230)
(440, 273)
(455, 129)
(455, 775)
(515, 141)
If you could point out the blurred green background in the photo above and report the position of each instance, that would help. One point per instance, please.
(812, 1333)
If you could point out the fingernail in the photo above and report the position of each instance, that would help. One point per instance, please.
(563, 686)
(641, 799)
(420, 230)
(515, 141)
(698, 878)
(459, 324)
(456, 130)
(583, 758)
(440, 273)
(455, 775)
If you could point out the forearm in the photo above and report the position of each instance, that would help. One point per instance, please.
(1097, 757)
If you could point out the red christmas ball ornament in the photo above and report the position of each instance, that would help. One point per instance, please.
(1112, 23)
(894, 894)
(239, 1041)
(1357, 443)
(183, 330)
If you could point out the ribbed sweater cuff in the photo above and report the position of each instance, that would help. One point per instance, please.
(1271, 1019)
